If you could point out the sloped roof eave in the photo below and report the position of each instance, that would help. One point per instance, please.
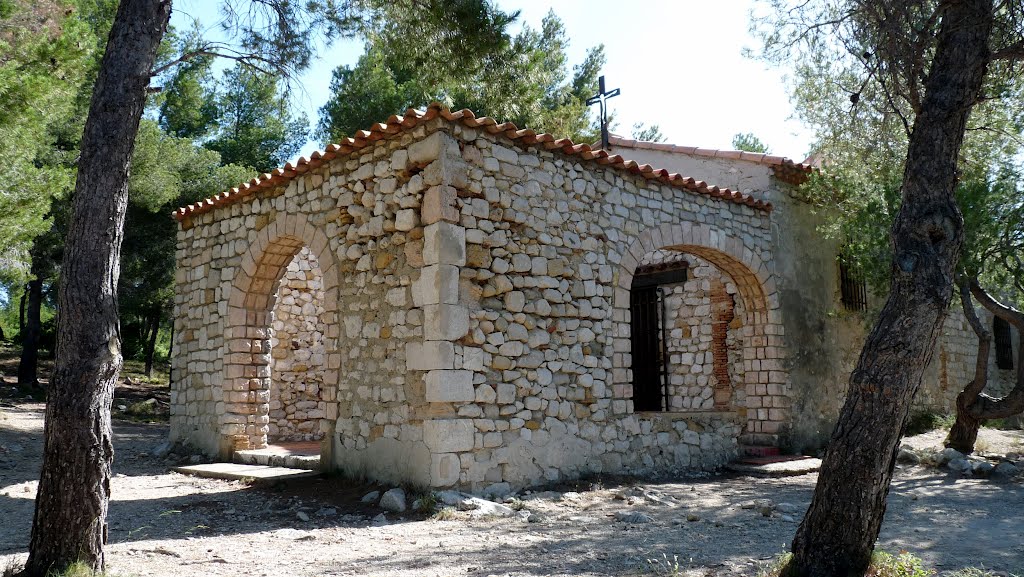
(522, 137)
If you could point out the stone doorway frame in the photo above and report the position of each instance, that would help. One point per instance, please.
(765, 375)
(243, 416)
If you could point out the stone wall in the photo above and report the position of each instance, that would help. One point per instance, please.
(476, 313)
(298, 353)
(823, 339)
(705, 343)
(548, 247)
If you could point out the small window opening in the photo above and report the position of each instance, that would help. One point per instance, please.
(1004, 347)
(853, 287)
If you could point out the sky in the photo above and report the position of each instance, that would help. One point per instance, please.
(678, 63)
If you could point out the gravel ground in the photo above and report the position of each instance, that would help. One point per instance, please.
(164, 523)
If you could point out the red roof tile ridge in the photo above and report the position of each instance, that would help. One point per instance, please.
(412, 117)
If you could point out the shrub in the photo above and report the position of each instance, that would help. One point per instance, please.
(924, 422)
(882, 565)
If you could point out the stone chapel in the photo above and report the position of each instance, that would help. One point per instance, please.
(449, 301)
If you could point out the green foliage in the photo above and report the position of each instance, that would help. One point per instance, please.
(650, 133)
(188, 107)
(245, 116)
(524, 80)
(44, 57)
(77, 569)
(749, 143)
(903, 565)
(254, 125)
(927, 421)
(856, 80)
(882, 565)
(167, 172)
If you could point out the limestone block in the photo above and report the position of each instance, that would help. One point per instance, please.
(444, 243)
(430, 355)
(515, 301)
(396, 297)
(406, 220)
(439, 205)
(473, 359)
(438, 283)
(428, 149)
(449, 386)
(444, 322)
(449, 435)
(506, 393)
(444, 470)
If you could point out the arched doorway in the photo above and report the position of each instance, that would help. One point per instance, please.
(716, 331)
(298, 353)
(280, 368)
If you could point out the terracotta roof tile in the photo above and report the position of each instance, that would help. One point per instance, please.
(783, 168)
(525, 137)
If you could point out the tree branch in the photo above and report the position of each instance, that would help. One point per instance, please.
(1007, 313)
(1012, 52)
(970, 394)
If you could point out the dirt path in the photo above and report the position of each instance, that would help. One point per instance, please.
(164, 523)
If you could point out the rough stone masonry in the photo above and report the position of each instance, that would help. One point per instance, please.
(445, 301)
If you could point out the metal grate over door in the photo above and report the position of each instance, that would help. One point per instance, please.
(648, 351)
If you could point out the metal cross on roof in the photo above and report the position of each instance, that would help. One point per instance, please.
(602, 98)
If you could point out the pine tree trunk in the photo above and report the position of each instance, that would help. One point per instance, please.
(28, 366)
(153, 321)
(838, 533)
(21, 310)
(70, 522)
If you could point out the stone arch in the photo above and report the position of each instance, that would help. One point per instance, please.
(765, 377)
(243, 415)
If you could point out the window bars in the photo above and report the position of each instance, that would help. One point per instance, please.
(853, 287)
(1004, 345)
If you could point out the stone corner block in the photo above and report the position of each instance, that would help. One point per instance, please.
(449, 435)
(428, 149)
(444, 243)
(443, 322)
(449, 386)
(438, 283)
(439, 205)
(430, 355)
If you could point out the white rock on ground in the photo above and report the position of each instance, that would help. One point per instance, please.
(394, 501)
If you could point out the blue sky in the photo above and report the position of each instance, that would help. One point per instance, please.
(678, 63)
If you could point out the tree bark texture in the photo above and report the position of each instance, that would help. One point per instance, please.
(153, 321)
(972, 404)
(838, 533)
(21, 310)
(28, 366)
(70, 522)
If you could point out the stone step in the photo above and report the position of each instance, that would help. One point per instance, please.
(239, 472)
(775, 465)
(269, 457)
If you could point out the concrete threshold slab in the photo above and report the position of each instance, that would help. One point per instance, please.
(238, 472)
(778, 467)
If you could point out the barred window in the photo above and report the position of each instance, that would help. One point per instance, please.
(853, 287)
